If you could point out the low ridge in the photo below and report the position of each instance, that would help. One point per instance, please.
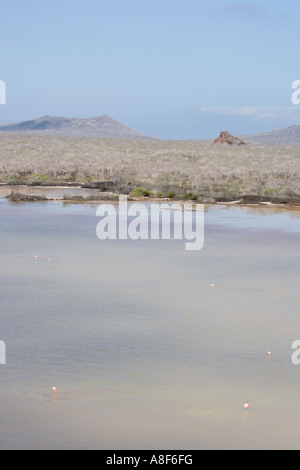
(101, 126)
(286, 136)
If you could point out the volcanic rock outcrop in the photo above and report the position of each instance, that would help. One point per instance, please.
(226, 138)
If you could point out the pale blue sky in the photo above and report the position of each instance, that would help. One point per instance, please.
(174, 69)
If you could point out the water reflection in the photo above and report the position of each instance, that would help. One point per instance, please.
(264, 210)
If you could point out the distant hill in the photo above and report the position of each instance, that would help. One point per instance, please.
(101, 126)
(287, 136)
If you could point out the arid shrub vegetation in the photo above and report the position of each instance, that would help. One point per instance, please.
(166, 167)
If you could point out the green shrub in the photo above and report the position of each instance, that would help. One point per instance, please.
(39, 177)
(141, 192)
(171, 195)
(159, 195)
(190, 196)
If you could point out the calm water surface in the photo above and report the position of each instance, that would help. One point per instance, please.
(144, 354)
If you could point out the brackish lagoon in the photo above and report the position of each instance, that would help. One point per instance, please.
(144, 354)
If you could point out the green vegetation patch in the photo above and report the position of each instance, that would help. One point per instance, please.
(141, 192)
